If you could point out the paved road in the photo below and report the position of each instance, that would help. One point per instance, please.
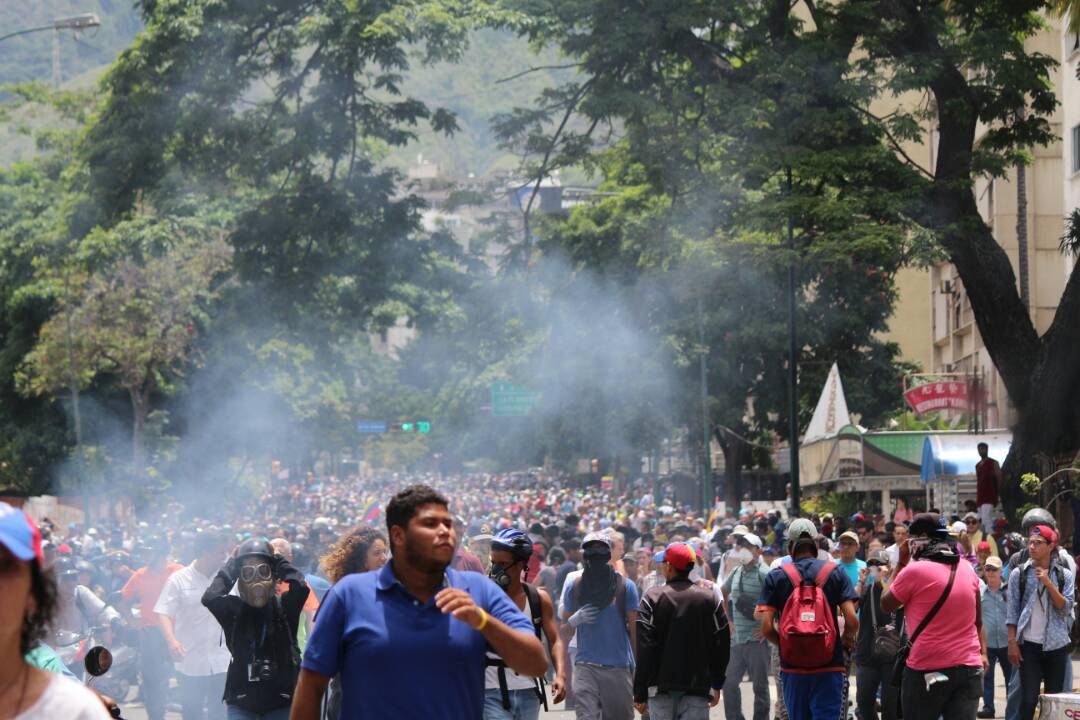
(136, 711)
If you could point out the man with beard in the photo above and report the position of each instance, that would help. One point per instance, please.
(260, 630)
(601, 606)
(410, 640)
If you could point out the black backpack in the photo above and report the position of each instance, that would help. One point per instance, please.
(537, 611)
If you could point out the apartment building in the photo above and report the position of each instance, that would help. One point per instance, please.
(1052, 192)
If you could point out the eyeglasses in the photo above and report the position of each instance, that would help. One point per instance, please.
(1033, 542)
(248, 573)
(972, 522)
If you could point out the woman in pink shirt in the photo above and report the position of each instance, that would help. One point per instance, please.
(903, 513)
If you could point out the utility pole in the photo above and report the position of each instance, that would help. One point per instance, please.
(706, 436)
(793, 359)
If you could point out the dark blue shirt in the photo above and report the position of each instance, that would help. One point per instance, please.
(838, 588)
(400, 658)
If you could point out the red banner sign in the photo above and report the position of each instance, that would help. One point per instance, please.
(939, 396)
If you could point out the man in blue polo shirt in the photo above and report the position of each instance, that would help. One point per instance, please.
(409, 641)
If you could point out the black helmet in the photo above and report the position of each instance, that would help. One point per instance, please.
(1037, 516)
(1014, 541)
(255, 546)
(64, 567)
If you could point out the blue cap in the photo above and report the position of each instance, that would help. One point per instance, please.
(19, 534)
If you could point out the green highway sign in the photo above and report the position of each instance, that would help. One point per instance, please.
(509, 400)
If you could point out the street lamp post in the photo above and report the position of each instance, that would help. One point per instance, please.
(76, 23)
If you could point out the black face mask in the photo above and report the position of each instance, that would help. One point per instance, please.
(499, 575)
(596, 561)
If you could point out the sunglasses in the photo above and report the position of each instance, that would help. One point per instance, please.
(249, 573)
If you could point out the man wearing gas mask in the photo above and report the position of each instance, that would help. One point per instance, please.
(508, 695)
(260, 630)
(601, 606)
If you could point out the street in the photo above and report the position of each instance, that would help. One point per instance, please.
(136, 711)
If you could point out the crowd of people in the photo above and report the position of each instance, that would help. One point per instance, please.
(491, 596)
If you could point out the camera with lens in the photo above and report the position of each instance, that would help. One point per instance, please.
(260, 670)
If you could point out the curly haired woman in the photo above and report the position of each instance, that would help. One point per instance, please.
(363, 549)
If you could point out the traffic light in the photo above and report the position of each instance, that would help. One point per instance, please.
(410, 427)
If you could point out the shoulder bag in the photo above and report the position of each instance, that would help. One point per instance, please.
(905, 650)
(887, 638)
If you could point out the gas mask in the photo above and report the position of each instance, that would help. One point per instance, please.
(256, 583)
(875, 572)
(499, 574)
(744, 556)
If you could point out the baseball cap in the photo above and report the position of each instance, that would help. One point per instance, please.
(848, 535)
(993, 561)
(679, 556)
(928, 524)
(740, 530)
(595, 537)
(970, 516)
(801, 529)
(1045, 531)
(752, 539)
(877, 557)
(658, 557)
(19, 534)
(983, 546)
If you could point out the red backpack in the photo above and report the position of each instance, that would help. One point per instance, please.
(807, 631)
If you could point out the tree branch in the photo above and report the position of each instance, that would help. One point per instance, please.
(538, 68)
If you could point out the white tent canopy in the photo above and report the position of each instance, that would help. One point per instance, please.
(831, 413)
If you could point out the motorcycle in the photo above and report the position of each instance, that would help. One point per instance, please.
(97, 663)
(74, 649)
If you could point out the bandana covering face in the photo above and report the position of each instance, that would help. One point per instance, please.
(598, 580)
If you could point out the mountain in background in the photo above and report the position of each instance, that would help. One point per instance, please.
(470, 88)
(29, 57)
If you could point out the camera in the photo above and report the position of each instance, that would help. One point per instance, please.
(260, 670)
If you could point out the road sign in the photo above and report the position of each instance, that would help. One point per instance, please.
(509, 400)
(423, 427)
(371, 427)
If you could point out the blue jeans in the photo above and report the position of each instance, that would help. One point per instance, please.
(1012, 704)
(1040, 666)
(813, 696)
(689, 707)
(524, 705)
(998, 656)
(238, 713)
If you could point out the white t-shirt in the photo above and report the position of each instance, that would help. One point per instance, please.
(513, 680)
(1035, 632)
(65, 698)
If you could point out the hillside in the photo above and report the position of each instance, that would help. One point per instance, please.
(469, 88)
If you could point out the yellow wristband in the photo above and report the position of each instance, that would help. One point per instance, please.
(483, 620)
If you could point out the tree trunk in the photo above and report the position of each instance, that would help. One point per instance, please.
(140, 408)
(1022, 236)
(733, 448)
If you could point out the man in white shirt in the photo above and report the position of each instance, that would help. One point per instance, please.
(192, 634)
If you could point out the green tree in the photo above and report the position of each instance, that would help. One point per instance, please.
(133, 321)
(734, 122)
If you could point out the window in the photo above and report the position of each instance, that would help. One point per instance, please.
(1076, 148)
